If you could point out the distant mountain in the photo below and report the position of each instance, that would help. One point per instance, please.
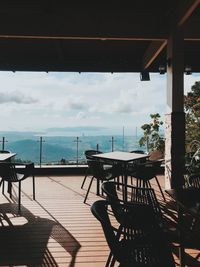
(55, 148)
(29, 150)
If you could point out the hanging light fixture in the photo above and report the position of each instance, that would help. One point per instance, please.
(188, 70)
(144, 75)
(162, 69)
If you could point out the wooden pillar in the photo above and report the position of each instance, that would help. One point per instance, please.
(175, 117)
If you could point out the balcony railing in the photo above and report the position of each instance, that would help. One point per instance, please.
(62, 150)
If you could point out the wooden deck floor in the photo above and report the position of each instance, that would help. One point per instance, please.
(57, 229)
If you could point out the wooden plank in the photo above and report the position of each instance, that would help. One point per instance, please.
(59, 226)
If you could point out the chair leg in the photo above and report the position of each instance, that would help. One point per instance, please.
(19, 197)
(108, 260)
(98, 187)
(33, 187)
(88, 189)
(86, 174)
(3, 187)
(10, 189)
(160, 188)
(111, 260)
(2, 183)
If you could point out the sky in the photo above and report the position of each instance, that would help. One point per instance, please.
(81, 103)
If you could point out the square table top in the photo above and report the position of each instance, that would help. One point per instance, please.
(5, 156)
(120, 156)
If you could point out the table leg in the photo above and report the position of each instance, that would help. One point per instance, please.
(98, 187)
(125, 181)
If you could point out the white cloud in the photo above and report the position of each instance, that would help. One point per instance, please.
(41, 100)
(16, 97)
(125, 101)
(76, 103)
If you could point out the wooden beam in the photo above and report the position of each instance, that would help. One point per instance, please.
(187, 10)
(81, 26)
(156, 47)
(152, 52)
(95, 38)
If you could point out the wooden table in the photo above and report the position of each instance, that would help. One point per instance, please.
(123, 158)
(188, 202)
(6, 156)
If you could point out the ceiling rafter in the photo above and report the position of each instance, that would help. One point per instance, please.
(101, 38)
(155, 48)
(152, 52)
(186, 11)
(70, 37)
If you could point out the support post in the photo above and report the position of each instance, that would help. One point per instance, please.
(175, 119)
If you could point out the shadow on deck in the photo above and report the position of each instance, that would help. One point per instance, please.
(59, 230)
(24, 239)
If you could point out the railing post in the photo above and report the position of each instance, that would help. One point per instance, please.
(77, 149)
(112, 143)
(41, 141)
(147, 144)
(97, 147)
(3, 143)
(123, 139)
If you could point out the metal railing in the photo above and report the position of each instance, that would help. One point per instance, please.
(45, 150)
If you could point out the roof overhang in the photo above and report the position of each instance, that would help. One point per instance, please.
(115, 36)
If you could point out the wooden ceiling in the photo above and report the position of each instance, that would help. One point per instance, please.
(95, 36)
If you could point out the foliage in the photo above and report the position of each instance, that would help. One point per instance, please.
(18, 160)
(151, 136)
(192, 115)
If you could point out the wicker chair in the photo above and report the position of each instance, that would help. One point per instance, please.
(88, 155)
(9, 173)
(141, 213)
(7, 160)
(142, 250)
(194, 180)
(144, 172)
(100, 174)
(139, 197)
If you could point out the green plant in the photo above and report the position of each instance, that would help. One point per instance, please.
(192, 115)
(151, 137)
